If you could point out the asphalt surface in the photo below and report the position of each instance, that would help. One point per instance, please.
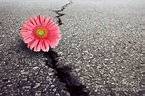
(22, 71)
(101, 52)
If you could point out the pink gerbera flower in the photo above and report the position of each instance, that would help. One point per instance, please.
(40, 33)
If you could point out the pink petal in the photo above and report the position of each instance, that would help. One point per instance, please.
(56, 42)
(29, 39)
(26, 27)
(43, 47)
(37, 20)
(54, 37)
(41, 19)
(26, 34)
(28, 45)
(51, 43)
(47, 21)
(33, 44)
(33, 21)
(50, 25)
(47, 45)
(54, 27)
(30, 24)
(54, 34)
(37, 47)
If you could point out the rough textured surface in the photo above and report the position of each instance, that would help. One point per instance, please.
(102, 41)
(23, 72)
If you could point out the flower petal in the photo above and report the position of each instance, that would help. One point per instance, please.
(51, 43)
(37, 47)
(29, 39)
(37, 20)
(27, 27)
(55, 35)
(34, 43)
(28, 45)
(30, 24)
(43, 47)
(54, 27)
(47, 45)
(41, 19)
(33, 21)
(50, 25)
(26, 34)
(47, 21)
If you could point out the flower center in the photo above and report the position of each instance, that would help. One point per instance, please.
(41, 32)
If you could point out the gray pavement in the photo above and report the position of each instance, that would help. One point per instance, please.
(23, 72)
(102, 41)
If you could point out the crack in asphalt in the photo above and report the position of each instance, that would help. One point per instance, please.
(60, 14)
(72, 84)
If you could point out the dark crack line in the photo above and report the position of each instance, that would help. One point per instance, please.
(60, 14)
(72, 84)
